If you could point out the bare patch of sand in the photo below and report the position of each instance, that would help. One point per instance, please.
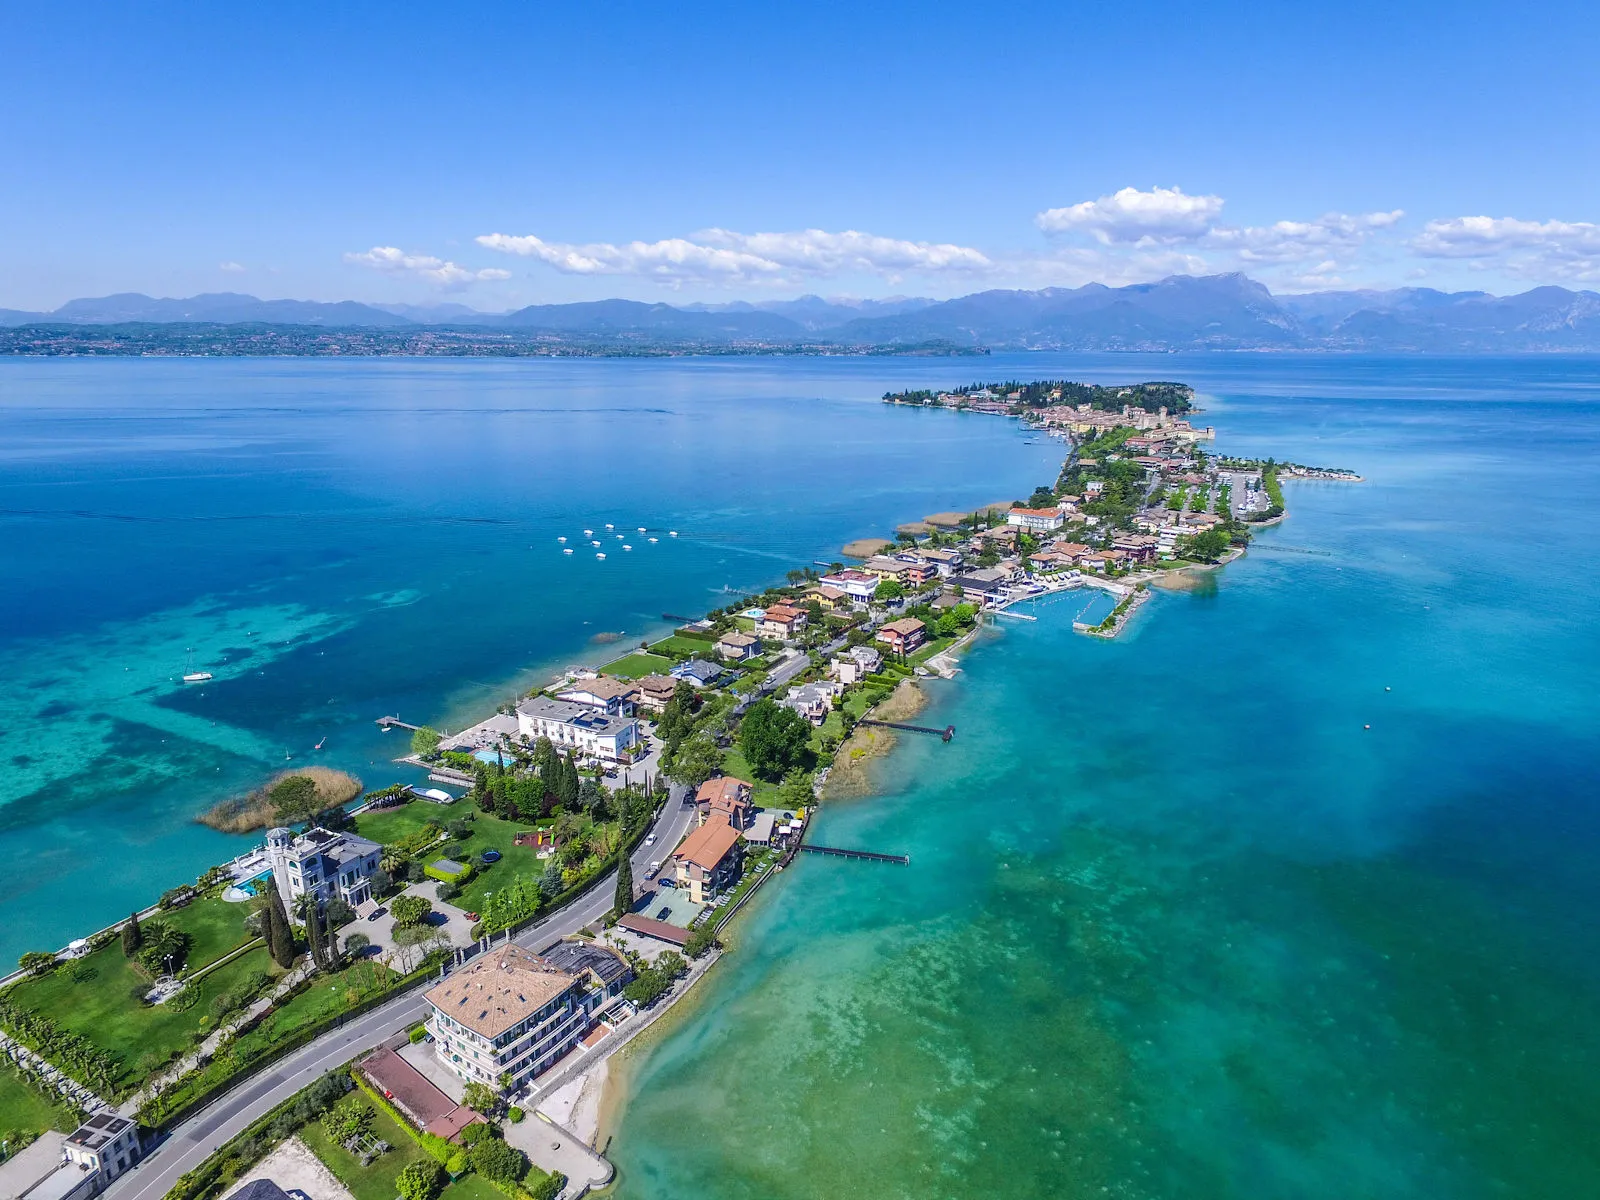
(945, 520)
(293, 1167)
(914, 528)
(867, 547)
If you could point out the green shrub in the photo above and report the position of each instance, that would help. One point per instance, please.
(493, 1159)
(514, 1115)
(418, 1032)
(420, 1181)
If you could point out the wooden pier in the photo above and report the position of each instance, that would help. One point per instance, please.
(396, 723)
(899, 860)
(944, 735)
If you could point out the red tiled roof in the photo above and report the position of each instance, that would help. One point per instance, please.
(650, 927)
(708, 845)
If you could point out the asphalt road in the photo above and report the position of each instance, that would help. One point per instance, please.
(191, 1143)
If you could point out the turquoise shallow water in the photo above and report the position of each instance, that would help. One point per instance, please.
(340, 541)
(1178, 924)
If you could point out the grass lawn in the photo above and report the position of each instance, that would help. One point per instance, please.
(215, 925)
(23, 1110)
(937, 646)
(857, 701)
(832, 725)
(328, 996)
(375, 1182)
(389, 825)
(638, 664)
(690, 647)
(102, 1007)
(763, 793)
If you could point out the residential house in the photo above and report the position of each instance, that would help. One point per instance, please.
(829, 597)
(858, 585)
(948, 561)
(1139, 547)
(708, 861)
(856, 664)
(1036, 520)
(322, 863)
(697, 672)
(736, 646)
(1002, 536)
(885, 567)
(507, 1012)
(978, 590)
(782, 621)
(918, 570)
(614, 696)
(813, 701)
(654, 691)
(73, 1166)
(902, 636)
(576, 727)
(726, 797)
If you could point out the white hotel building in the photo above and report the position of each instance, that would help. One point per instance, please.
(569, 726)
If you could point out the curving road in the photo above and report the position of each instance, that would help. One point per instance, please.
(192, 1142)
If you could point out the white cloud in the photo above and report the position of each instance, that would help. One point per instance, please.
(1536, 250)
(722, 256)
(1161, 215)
(1297, 241)
(231, 268)
(437, 271)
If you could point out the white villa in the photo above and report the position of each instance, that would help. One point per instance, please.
(508, 1012)
(323, 863)
(572, 726)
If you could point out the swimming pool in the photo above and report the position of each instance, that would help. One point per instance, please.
(487, 756)
(249, 888)
(755, 614)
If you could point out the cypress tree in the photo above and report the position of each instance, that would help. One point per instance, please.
(624, 900)
(319, 956)
(570, 787)
(132, 936)
(330, 944)
(280, 937)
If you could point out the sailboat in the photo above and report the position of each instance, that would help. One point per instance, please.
(190, 675)
(318, 746)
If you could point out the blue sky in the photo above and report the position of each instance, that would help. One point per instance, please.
(500, 155)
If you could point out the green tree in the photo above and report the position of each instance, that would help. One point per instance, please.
(481, 1098)
(889, 589)
(569, 785)
(795, 790)
(132, 936)
(1206, 547)
(701, 940)
(774, 739)
(624, 899)
(420, 1180)
(552, 881)
(697, 760)
(280, 937)
(294, 799)
(37, 962)
(410, 910)
(494, 1159)
(425, 741)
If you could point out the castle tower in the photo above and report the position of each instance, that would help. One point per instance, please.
(279, 841)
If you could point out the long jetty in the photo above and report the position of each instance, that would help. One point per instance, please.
(944, 735)
(899, 860)
(396, 723)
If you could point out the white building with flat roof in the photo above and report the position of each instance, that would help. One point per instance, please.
(571, 726)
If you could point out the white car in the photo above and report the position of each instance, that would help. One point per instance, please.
(651, 840)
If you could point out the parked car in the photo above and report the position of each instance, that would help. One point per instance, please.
(655, 869)
(376, 913)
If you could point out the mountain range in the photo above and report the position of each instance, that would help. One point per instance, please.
(1181, 312)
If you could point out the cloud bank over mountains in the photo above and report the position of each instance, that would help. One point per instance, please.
(1126, 236)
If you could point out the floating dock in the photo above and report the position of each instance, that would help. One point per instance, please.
(396, 723)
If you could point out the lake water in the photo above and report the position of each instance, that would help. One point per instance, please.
(1177, 923)
(337, 541)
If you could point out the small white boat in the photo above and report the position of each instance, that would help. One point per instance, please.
(641, 529)
(672, 533)
(568, 550)
(625, 546)
(619, 537)
(197, 676)
(562, 538)
(653, 541)
(588, 533)
(609, 525)
(594, 543)
(602, 554)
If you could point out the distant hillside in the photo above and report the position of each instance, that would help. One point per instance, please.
(1182, 312)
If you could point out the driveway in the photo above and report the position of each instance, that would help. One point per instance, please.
(446, 918)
